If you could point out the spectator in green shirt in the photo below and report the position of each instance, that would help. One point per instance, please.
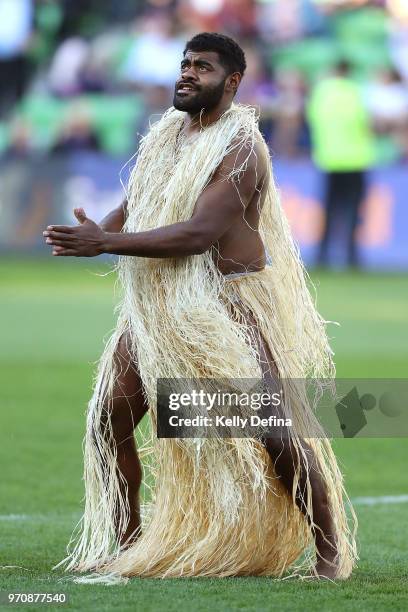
(343, 148)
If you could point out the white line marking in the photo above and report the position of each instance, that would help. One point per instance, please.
(357, 501)
(14, 517)
(39, 517)
(375, 501)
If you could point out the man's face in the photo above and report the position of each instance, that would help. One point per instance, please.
(201, 84)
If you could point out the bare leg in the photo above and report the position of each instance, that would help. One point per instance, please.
(285, 459)
(125, 410)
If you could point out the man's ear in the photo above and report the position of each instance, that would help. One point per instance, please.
(233, 82)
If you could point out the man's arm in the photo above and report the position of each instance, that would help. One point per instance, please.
(218, 207)
(115, 220)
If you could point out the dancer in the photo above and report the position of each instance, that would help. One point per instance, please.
(213, 287)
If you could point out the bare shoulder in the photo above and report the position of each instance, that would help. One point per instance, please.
(247, 159)
(261, 154)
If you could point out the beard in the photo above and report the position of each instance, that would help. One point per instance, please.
(201, 99)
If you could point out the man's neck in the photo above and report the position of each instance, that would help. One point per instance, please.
(194, 123)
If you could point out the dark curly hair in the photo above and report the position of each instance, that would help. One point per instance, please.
(230, 53)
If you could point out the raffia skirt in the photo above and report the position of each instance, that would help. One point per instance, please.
(206, 511)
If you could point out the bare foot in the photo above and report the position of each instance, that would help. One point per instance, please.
(327, 564)
(325, 569)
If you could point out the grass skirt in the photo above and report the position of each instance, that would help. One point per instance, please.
(215, 508)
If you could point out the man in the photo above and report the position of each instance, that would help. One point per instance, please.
(343, 148)
(199, 301)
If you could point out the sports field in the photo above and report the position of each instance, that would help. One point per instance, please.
(54, 315)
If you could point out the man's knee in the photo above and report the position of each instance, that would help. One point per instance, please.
(124, 405)
(117, 420)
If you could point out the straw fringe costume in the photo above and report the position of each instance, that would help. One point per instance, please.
(217, 507)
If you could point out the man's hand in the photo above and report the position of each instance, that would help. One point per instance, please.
(84, 240)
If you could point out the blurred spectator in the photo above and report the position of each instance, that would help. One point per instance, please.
(157, 99)
(398, 43)
(20, 141)
(47, 22)
(387, 101)
(154, 59)
(281, 21)
(343, 148)
(16, 18)
(289, 113)
(77, 134)
(239, 18)
(101, 46)
(98, 72)
(67, 65)
(259, 90)
(200, 15)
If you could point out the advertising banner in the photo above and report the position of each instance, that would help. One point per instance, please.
(37, 192)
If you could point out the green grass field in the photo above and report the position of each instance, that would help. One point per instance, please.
(54, 315)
